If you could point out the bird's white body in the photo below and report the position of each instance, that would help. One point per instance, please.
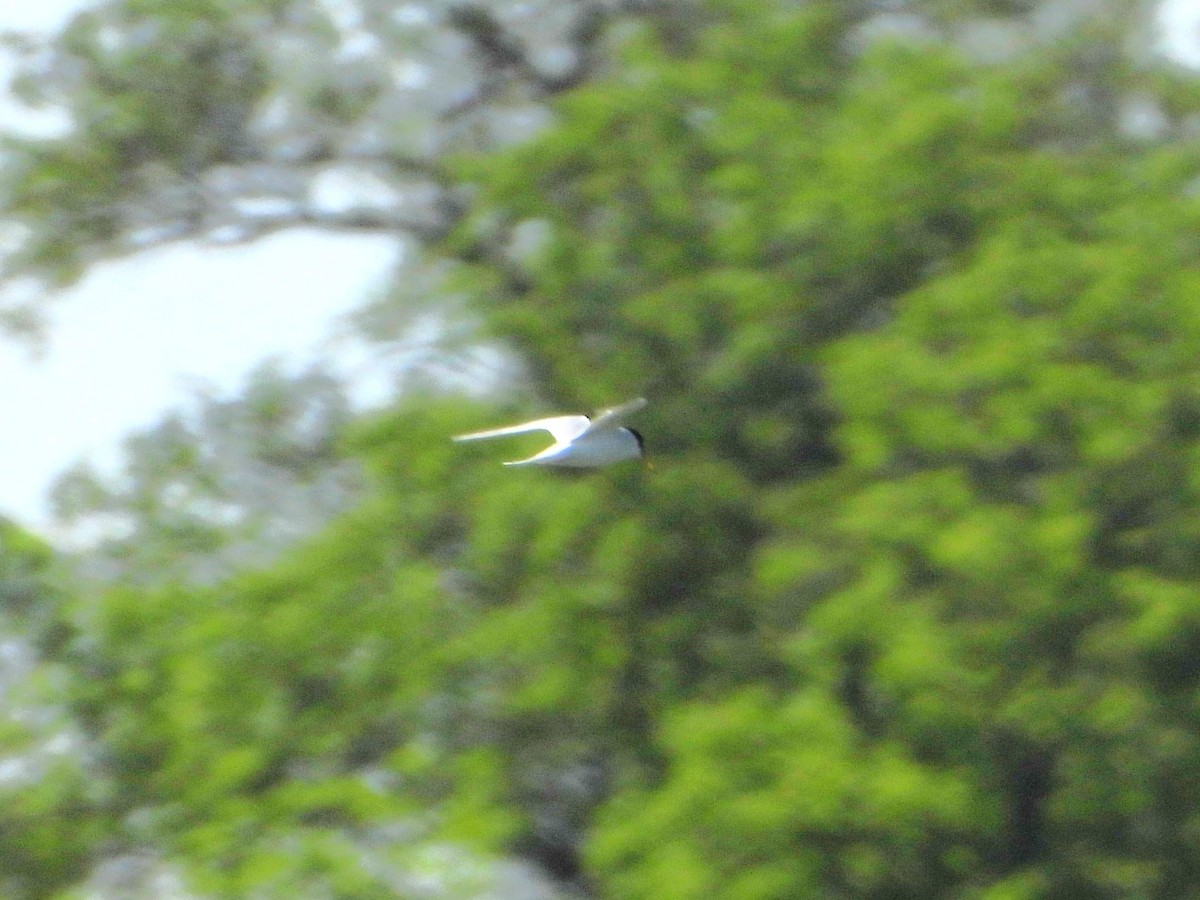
(579, 442)
(599, 448)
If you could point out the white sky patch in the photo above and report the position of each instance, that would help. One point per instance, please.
(41, 16)
(1179, 23)
(128, 342)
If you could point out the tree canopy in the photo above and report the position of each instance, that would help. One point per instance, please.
(909, 606)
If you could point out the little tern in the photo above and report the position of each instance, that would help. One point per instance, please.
(579, 442)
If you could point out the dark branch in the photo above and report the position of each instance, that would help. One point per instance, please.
(499, 49)
(328, 154)
(249, 228)
(504, 57)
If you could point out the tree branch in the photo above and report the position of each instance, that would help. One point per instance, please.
(505, 57)
(249, 228)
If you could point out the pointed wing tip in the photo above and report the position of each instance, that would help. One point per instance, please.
(606, 418)
(479, 435)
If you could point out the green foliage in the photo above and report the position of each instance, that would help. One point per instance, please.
(154, 91)
(909, 606)
(216, 486)
(954, 349)
(780, 798)
(49, 825)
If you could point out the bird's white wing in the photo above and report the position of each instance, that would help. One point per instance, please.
(615, 415)
(561, 428)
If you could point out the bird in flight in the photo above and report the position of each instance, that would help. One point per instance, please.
(579, 442)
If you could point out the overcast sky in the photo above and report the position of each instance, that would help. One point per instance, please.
(129, 340)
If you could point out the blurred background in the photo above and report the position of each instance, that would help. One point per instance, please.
(909, 606)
